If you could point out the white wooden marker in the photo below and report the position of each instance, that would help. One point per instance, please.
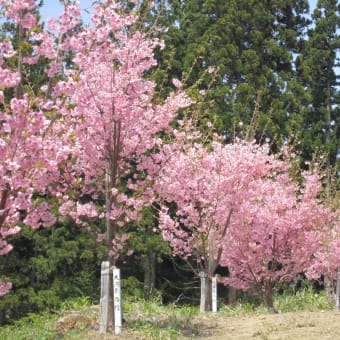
(337, 293)
(214, 293)
(202, 305)
(117, 300)
(104, 297)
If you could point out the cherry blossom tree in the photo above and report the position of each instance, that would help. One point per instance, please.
(28, 150)
(81, 136)
(111, 118)
(207, 185)
(236, 206)
(114, 121)
(275, 234)
(326, 260)
(109, 113)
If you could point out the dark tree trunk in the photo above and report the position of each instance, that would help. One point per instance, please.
(268, 298)
(231, 295)
(150, 274)
(329, 288)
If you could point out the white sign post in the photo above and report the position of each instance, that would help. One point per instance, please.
(104, 297)
(214, 293)
(337, 293)
(202, 305)
(117, 300)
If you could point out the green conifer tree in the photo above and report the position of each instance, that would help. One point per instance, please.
(251, 46)
(317, 71)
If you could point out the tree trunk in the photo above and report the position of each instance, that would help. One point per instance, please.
(268, 298)
(231, 295)
(111, 181)
(270, 303)
(329, 288)
(150, 274)
(110, 231)
(18, 88)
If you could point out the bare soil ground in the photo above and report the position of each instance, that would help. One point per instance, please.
(296, 326)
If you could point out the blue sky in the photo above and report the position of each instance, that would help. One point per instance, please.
(312, 4)
(52, 8)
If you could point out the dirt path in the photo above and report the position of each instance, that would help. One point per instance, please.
(297, 326)
(321, 325)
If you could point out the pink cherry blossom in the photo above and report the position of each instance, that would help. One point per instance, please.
(5, 287)
(238, 207)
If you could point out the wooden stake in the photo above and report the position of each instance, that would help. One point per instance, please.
(202, 305)
(104, 297)
(117, 301)
(214, 294)
(337, 296)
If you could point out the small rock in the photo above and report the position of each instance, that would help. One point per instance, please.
(73, 321)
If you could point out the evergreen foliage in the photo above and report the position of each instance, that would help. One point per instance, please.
(48, 266)
(316, 71)
(251, 46)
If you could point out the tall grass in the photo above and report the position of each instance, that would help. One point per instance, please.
(40, 326)
(31, 327)
(304, 299)
(151, 320)
(156, 321)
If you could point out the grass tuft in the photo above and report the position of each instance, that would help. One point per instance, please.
(305, 299)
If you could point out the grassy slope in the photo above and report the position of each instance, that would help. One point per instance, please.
(148, 320)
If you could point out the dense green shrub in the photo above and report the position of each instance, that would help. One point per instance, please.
(48, 266)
